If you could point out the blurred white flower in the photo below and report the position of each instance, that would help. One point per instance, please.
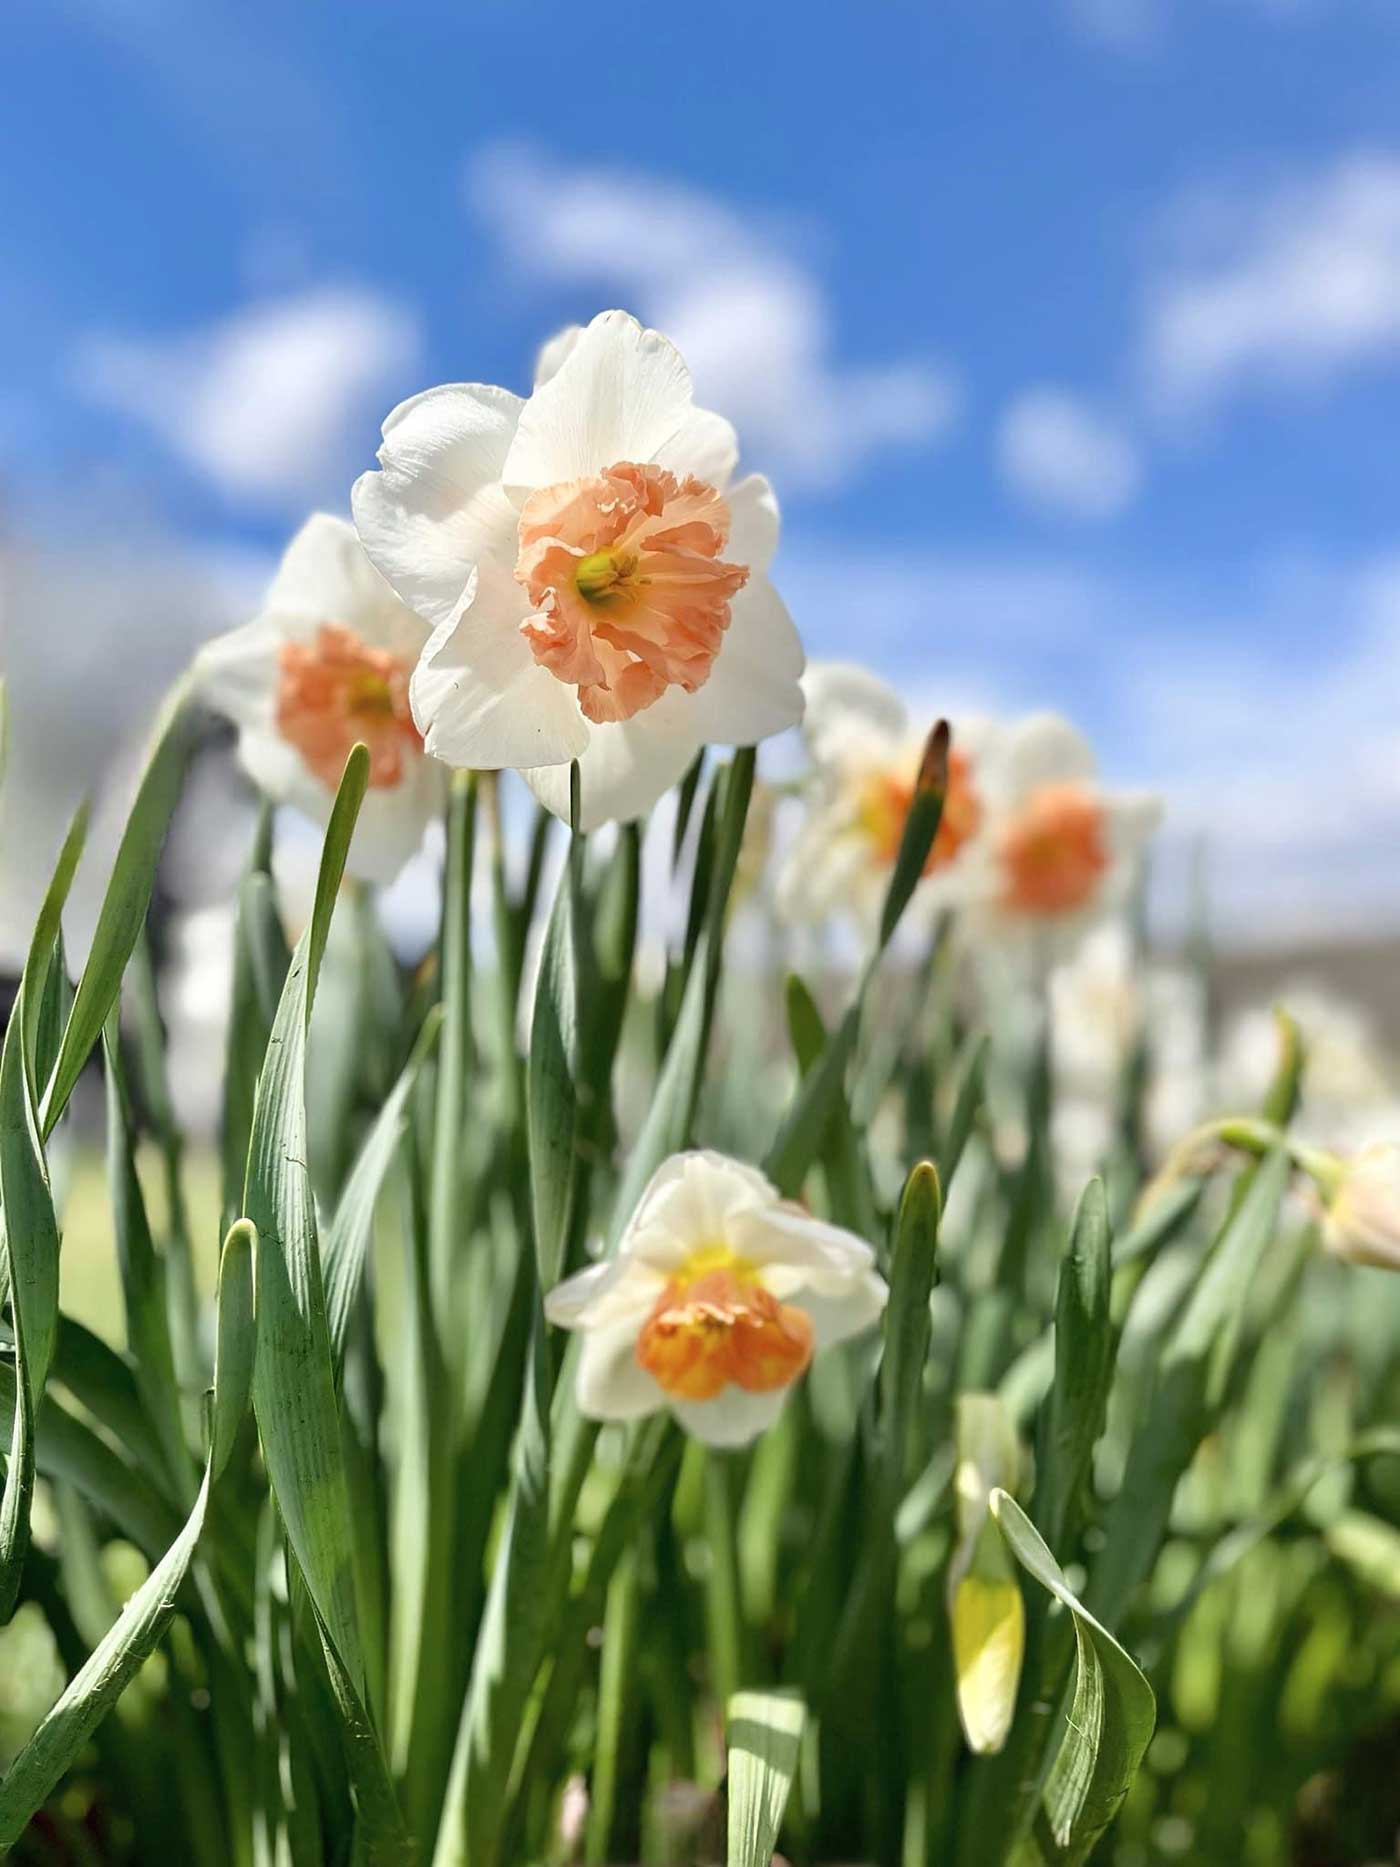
(1104, 1000)
(1055, 851)
(327, 663)
(1362, 1217)
(596, 586)
(197, 999)
(865, 761)
(718, 1297)
(1346, 1073)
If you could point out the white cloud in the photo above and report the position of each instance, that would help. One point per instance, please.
(1057, 452)
(1124, 25)
(753, 320)
(1292, 286)
(273, 404)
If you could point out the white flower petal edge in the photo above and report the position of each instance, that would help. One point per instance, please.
(324, 578)
(1362, 1223)
(436, 504)
(852, 716)
(442, 520)
(622, 393)
(711, 1225)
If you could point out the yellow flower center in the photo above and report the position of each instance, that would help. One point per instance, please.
(715, 1325)
(604, 576)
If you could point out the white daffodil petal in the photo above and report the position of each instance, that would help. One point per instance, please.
(836, 1318)
(754, 687)
(704, 445)
(623, 768)
(436, 505)
(852, 716)
(787, 1232)
(555, 352)
(621, 394)
(618, 1290)
(612, 1385)
(325, 576)
(1039, 750)
(482, 700)
(238, 673)
(732, 1418)
(753, 522)
(697, 1196)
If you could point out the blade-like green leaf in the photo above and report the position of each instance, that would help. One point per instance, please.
(128, 896)
(1111, 1713)
(764, 1734)
(294, 1394)
(31, 1250)
(1084, 1352)
(800, 1138)
(347, 1242)
(555, 1090)
(260, 962)
(1190, 1380)
(124, 1649)
(143, 1276)
(671, 1117)
(913, 1271)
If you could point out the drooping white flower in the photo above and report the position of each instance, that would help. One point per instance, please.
(1054, 850)
(1362, 1218)
(865, 760)
(718, 1297)
(326, 664)
(596, 585)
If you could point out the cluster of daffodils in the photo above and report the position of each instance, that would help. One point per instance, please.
(578, 577)
(1031, 848)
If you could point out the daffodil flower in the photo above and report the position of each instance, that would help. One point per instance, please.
(595, 583)
(1054, 850)
(865, 761)
(325, 665)
(718, 1296)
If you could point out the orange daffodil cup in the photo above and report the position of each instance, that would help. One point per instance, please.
(326, 664)
(594, 577)
(719, 1295)
(1056, 849)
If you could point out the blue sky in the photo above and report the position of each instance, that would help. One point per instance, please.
(1068, 329)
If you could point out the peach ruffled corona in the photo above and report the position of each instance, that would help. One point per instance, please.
(1054, 850)
(629, 590)
(336, 690)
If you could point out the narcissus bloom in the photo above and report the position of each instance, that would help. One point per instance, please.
(1055, 850)
(596, 585)
(718, 1297)
(865, 759)
(327, 664)
(1362, 1218)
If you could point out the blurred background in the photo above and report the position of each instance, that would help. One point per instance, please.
(1068, 329)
